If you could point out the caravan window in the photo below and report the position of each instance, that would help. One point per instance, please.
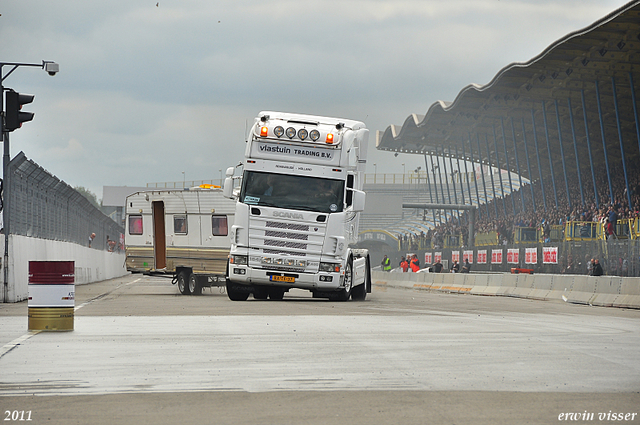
(135, 224)
(219, 225)
(180, 224)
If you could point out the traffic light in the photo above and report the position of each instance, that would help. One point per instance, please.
(14, 117)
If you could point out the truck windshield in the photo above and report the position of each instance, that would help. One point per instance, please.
(292, 192)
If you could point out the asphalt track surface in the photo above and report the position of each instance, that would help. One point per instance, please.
(141, 353)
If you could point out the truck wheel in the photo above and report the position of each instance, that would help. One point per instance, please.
(345, 293)
(260, 292)
(183, 284)
(194, 285)
(276, 294)
(359, 293)
(237, 292)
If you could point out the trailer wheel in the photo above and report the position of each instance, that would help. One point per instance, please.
(345, 293)
(183, 284)
(194, 285)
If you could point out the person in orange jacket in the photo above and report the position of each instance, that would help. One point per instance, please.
(415, 264)
(404, 264)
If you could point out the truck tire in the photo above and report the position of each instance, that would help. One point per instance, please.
(260, 292)
(345, 293)
(359, 293)
(276, 293)
(194, 285)
(368, 281)
(237, 292)
(183, 283)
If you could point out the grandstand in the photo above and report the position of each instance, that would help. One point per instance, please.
(567, 122)
(423, 188)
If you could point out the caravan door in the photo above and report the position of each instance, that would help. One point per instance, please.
(159, 237)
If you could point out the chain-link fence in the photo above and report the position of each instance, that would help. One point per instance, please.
(42, 206)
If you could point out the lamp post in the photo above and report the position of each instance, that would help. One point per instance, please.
(375, 172)
(52, 69)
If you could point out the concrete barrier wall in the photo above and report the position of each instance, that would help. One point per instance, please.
(91, 265)
(607, 291)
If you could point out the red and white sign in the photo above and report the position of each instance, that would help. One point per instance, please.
(496, 256)
(482, 256)
(467, 255)
(531, 256)
(437, 257)
(455, 256)
(513, 256)
(428, 258)
(550, 255)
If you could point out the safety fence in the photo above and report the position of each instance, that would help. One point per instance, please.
(42, 206)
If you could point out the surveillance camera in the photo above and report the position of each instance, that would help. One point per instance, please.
(52, 68)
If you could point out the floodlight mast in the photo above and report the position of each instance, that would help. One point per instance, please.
(51, 68)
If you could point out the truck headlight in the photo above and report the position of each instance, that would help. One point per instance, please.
(239, 260)
(329, 267)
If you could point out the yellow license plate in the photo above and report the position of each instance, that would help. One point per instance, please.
(288, 279)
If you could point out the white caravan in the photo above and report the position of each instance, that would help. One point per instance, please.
(184, 233)
(298, 207)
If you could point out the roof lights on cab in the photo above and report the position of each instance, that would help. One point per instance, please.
(301, 133)
(291, 132)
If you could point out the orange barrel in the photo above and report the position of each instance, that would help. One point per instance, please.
(51, 295)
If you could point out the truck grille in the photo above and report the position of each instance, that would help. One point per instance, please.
(286, 235)
(283, 244)
(286, 238)
(288, 226)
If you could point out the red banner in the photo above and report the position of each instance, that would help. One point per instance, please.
(531, 256)
(550, 255)
(428, 258)
(482, 256)
(467, 255)
(496, 256)
(455, 256)
(513, 256)
(437, 257)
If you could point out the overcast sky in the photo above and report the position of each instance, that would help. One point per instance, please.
(148, 90)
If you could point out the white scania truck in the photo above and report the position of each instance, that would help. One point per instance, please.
(298, 205)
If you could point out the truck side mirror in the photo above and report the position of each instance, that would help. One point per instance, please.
(358, 200)
(227, 189)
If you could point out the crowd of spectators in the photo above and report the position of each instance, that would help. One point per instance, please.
(499, 215)
(507, 218)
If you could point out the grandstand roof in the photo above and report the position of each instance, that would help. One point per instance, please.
(521, 101)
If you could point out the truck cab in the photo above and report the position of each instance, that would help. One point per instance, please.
(298, 204)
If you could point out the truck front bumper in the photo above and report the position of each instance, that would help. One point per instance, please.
(318, 281)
